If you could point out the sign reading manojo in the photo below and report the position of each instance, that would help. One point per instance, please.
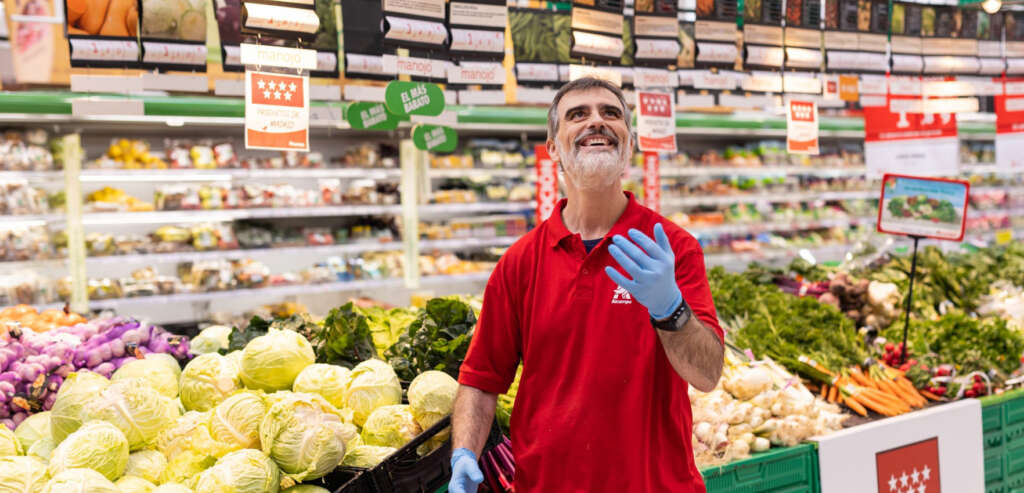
(414, 98)
(370, 116)
(434, 138)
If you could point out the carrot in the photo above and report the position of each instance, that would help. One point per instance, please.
(901, 393)
(131, 20)
(824, 391)
(889, 400)
(75, 30)
(114, 25)
(911, 392)
(855, 406)
(92, 19)
(930, 395)
(832, 393)
(860, 379)
(76, 8)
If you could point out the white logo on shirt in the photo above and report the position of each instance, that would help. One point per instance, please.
(621, 296)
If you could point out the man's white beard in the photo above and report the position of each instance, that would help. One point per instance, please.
(593, 170)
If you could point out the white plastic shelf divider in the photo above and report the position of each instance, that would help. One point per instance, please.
(697, 200)
(290, 290)
(766, 170)
(156, 175)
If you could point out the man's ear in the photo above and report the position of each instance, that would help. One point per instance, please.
(553, 152)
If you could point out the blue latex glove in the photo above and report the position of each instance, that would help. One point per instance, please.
(466, 475)
(653, 274)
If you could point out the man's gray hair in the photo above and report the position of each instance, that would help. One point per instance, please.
(583, 84)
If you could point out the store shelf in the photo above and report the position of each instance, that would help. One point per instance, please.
(475, 207)
(33, 176)
(713, 200)
(480, 172)
(309, 252)
(739, 260)
(766, 170)
(759, 227)
(290, 290)
(151, 175)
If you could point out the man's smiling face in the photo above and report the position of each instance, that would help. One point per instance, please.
(593, 141)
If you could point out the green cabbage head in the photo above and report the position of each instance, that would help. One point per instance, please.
(172, 488)
(207, 380)
(327, 380)
(154, 371)
(35, 427)
(236, 357)
(136, 408)
(80, 480)
(390, 426)
(367, 456)
(236, 421)
(9, 444)
(271, 362)
(241, 471)
(304, 435)
(188, 447)
(42, 449)
(68, 410)
(168, 361)
(210, 340)
(134, 484)
(96, 445)
(146, 464)
(305, 488)
(22, 474)
(431, 397)
(372, 384)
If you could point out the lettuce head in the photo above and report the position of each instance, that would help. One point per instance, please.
(35, 427)
(390, 426)
(80, 480)
(271, 362)
(42, 449)
(207, 380)
(68, 410)
(134, 484)
(154, 371)
(431, 397)
(241, 471)
(22, 474)
(9, 444)
(146, 464)
(367, 456)
(327, 380)
(236, 421)
(210, 340)
(96, 445)
(172, 488)
(372, 384)
(136, 408)
(304, 435)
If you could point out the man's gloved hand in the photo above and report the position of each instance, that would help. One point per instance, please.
(653, 273)
(466, 475)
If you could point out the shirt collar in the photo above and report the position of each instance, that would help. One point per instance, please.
(558, 232)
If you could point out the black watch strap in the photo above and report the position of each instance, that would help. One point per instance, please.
(676, 321)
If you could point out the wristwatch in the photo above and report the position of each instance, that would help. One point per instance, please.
(676, 321)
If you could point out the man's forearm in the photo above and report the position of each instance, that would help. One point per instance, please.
(696, 353)
(472, 418)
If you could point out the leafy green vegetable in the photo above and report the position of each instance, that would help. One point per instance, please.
(437, 340)
(973, 344)
(772, 323)
(345, 338)
(239, 337)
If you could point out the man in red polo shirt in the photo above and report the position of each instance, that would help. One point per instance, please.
(602, 403)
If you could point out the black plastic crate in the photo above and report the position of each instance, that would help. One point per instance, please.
(405, 471)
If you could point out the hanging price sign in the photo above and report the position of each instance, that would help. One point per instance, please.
(1009, 133)
(276, 111)
(802, 127)
(655, 121)
(652, 182)
(547, 183)
(434, 138)
(370, 116)
(414, 98)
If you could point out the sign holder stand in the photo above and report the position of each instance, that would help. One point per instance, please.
(910, 299)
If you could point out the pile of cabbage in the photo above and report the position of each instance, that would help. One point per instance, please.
(263, 419)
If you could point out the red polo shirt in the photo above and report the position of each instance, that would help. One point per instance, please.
(599, 408)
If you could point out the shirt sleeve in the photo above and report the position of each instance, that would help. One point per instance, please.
(495, 350)
(692, 278)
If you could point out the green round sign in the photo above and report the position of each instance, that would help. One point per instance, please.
(414, 98)
(370, 116)
(434, 138)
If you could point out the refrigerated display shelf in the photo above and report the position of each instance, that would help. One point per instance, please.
(289, 290)
(766, 170)
(712, 200)
(225, 174)
(758, 227)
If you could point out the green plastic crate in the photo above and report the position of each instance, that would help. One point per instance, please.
(783, 470)
(1003, 427)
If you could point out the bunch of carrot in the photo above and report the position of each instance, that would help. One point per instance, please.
(103, 17)
(883, 389)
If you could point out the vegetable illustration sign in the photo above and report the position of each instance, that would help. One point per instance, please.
(924, 207)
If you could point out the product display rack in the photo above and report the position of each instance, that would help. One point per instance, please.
(189, 116)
